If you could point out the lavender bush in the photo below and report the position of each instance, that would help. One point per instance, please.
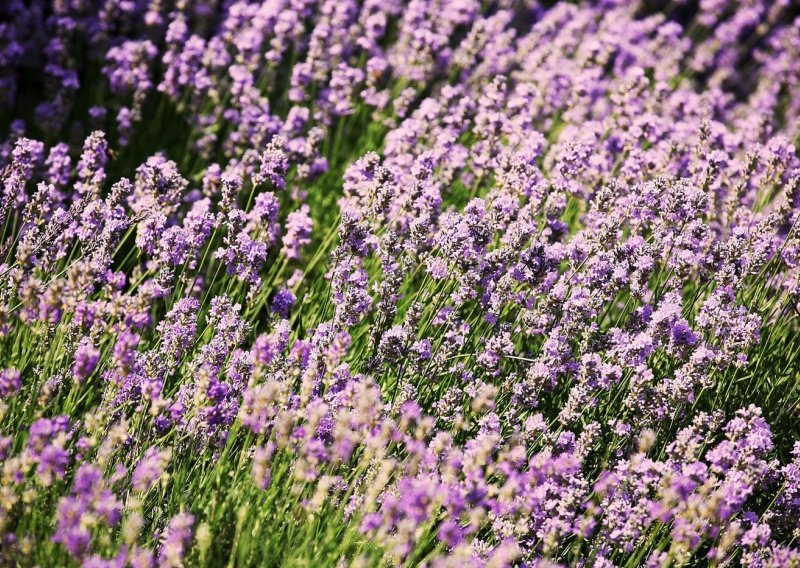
(440, 282)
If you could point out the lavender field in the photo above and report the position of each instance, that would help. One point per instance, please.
(439, 283)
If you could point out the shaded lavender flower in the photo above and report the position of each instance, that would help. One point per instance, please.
(125, 349)
(267, 347)
(86, 358)
(175, 539)
(45, 446)
(89, 503)
(59, 165)
(25, 156)
(274, 164)
(298, 232)
(179, 327)
(242, 255)
(91, 166)
(282, 302)
(9, 382)
(127, 66)
(149, 469)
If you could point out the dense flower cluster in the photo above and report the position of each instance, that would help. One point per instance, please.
(439, 282)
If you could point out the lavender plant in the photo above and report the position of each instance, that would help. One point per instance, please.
(428, 283)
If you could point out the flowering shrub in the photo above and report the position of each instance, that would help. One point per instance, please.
(442, 283)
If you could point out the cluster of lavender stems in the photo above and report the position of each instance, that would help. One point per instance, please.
(430, 283)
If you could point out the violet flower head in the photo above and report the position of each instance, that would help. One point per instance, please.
(86, 359)
(179, 327)
(175, 540)
(282, 302)
(298, 232)
(149, 469)
(274, 164)
(10, 382)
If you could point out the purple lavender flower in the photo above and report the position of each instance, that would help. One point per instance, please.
(179, 327)
(175, 540)
(90, 501)
(282, 302)
(149, 469)
(86, 358)
(274, 164)
(91, 166)
(9, 382)
(298, 232)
